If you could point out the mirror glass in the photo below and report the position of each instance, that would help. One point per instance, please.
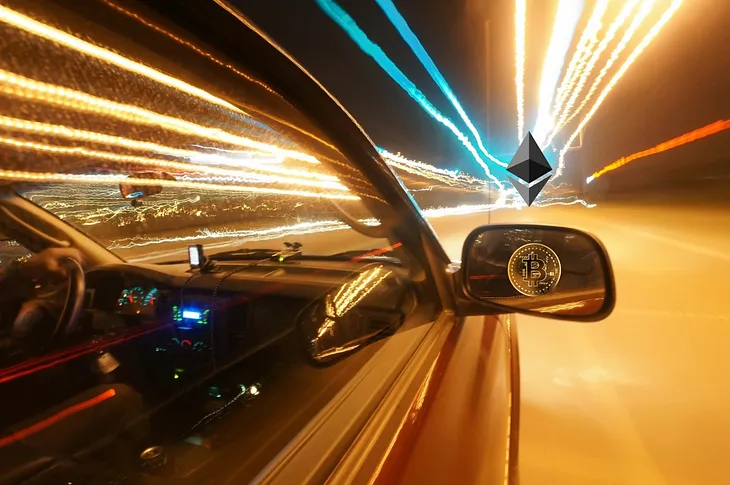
(541, 269)
(143, 185)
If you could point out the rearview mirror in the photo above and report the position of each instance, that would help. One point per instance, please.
(557, 272)
(140, 188)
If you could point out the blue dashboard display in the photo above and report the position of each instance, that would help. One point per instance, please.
(188, 318)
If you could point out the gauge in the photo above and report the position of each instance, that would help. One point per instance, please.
(150, 298)
(131, 297)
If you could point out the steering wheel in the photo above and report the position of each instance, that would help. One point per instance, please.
(74, 305)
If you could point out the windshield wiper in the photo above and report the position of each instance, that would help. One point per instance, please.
(360, 255)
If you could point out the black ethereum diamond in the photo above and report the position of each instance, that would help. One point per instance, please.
(529, 163)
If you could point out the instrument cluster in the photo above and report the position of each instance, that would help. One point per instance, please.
(137, 300)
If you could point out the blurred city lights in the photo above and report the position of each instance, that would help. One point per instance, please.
(64, 39)
(520, 23)
(564, 115)
(575, 67)
(566, 21)
(617, 76)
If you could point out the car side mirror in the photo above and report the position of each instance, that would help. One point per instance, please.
(556, 272)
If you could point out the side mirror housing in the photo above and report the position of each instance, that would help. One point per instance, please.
(549, 271)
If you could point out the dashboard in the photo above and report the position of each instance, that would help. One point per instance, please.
(175, 326)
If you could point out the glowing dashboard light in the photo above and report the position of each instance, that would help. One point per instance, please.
(666, 16)
(566, 115)
(566, 21)
(694, 135)
(67, 40)
(16, 85)
(191, 315)
(520, 23)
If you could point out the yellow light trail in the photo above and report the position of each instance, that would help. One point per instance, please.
(708, 130)
(520, 23)
(45, 177)
(65, 39)
(644, 11)
(578, 61)
(610, 34)
(228, 66)
(232, 175)
(422, 169)
(187, 44)
(586, 42)
(66, 132)
(616, 77)
(566, 20)
(16, 85)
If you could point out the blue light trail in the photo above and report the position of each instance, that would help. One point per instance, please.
(347, 23)
(412, 40)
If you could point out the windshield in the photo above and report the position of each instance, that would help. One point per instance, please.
(127, 134)
(147, 161)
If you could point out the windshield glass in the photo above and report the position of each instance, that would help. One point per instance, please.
(147, 161)
(123, 134)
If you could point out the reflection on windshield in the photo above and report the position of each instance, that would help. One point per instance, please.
(127, 131)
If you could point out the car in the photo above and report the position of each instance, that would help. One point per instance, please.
(210, 275)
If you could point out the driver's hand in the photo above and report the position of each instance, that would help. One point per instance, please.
(51, 261)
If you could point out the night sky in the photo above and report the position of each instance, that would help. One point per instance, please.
(680, 82)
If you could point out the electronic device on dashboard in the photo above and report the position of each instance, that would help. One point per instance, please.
(196, 257)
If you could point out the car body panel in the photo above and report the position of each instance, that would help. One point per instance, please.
(461, 423)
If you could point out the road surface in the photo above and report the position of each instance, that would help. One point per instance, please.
(642, 397)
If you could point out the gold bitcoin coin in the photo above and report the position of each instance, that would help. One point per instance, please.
(534, 269)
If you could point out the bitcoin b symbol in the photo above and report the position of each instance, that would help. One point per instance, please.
(534, 269)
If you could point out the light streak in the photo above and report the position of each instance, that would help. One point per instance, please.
(610, 34)
(616, 77)
(628, 35)
(452, 178)
(45, 177)
(337, 14)
(66, 132)
(189, 45)
(694, 135)
(224, 174)
(64, 39)
(412, 40)
(228, 66)
(575, 67)
(566, 20)
(520, 23)
(16, 85)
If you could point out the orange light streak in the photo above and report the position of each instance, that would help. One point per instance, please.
(705, 131)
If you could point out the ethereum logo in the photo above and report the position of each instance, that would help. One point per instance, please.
(529, 170)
